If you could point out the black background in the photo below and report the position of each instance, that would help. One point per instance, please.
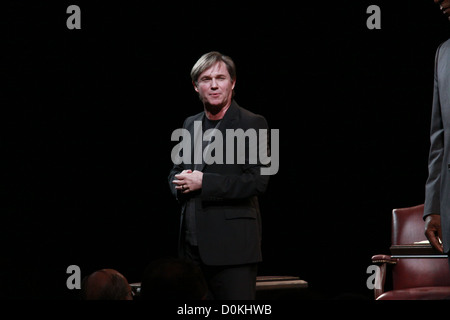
(87, 117)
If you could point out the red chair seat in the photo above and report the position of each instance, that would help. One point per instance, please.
(421, 293)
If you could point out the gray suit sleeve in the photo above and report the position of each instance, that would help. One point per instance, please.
(433, 183)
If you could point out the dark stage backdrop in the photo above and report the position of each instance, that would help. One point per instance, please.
(87, 117)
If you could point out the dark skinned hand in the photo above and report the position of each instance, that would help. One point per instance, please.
(433, 231)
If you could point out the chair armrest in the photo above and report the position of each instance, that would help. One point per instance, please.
(382, 260)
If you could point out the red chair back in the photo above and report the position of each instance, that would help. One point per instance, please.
(408, 227)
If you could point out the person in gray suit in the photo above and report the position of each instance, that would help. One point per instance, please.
(437, 188)
(220, 227)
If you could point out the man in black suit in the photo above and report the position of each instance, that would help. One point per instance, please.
(220, 221)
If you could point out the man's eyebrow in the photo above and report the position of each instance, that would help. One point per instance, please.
(221, 75)
(209, 76)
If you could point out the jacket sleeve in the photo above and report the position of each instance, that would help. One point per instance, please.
(176, 169)
(436, 154)
(226, 187)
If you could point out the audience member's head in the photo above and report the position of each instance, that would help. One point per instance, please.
(173, 279)
(105, 284)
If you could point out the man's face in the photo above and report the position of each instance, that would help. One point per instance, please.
(215, 87)
(444, 5)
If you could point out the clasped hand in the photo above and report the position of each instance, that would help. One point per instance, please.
(188, 181)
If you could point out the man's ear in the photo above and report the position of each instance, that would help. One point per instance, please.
(195, 86)
(234, 83)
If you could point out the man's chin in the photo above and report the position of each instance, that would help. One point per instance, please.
(214, 106)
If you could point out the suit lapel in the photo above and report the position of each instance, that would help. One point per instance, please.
(230, 118)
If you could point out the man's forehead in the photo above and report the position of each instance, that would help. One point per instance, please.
(217, 68)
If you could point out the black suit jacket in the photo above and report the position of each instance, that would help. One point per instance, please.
(228, 219)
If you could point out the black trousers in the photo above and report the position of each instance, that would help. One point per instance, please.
(235, 282)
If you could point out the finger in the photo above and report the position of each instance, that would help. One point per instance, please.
(438, 246)
(179, 184)
(434, 241)
(180, 176)
(439, 241)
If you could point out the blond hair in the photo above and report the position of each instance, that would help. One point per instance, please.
(209, 59)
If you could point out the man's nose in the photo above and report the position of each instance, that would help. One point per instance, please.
(213, 83)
